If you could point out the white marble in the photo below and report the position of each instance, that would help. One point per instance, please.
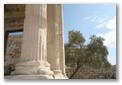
(34, 45)
(42, 54)
(28, 77)
(55, 41)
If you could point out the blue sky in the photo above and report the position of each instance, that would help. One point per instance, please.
(89, 19)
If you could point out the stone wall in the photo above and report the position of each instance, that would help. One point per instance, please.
(93, 73)
(13, 52)
(14, 15)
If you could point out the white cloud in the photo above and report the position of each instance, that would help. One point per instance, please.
(102, 20)
(110, 37)
(112, 24)
(100, 34)
(96, 18)
(91, 18)
(101, 25)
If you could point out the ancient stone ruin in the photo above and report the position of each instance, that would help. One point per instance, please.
(38, 53)
(13, 52)
(42, 50)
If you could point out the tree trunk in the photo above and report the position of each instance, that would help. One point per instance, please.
(77, 68)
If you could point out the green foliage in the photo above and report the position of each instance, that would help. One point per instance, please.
(78, 55)
(75, 37)
(97, 53)
(73, 48)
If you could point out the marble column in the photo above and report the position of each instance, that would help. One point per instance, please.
(34, 45)
(61, 38)
(55, 51)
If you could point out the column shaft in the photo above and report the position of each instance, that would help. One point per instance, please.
(53, 38)
(61, 39)
(34, 45)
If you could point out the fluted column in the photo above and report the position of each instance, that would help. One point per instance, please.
(56, 42)
(34, 45)
(61, 39)
(55, 39)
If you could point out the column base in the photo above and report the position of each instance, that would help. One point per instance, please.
(33, 68)
(30, 77)
(58, 75)
(34, 77)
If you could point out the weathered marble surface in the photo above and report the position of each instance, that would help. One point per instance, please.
(23, 77)
(42, 45)
(33, 58)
